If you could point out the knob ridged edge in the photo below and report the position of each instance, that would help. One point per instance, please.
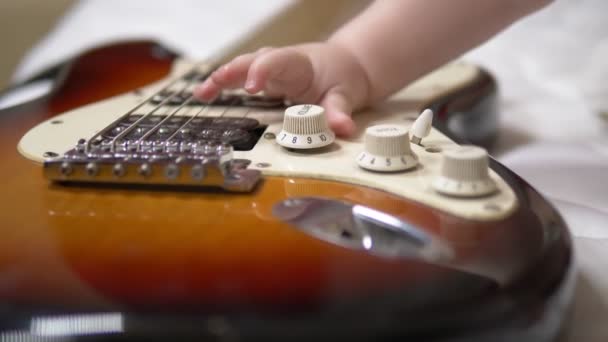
(465, 173)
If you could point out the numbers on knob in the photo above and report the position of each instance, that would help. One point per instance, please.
(465, 173)
(305, 127)
(390, 145)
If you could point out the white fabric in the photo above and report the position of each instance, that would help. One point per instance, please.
(576, 172)
(199, 29)
(553, 72)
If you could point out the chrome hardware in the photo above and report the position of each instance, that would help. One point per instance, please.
(212, 165)
(145, 170)
(172, 146)
(185, 132)
(358, 227)
(118, 170)
(168, 148)
(171, 171)
(164, 130)
(92, 169)
(66, 168)
(197, 172)
(166, 133)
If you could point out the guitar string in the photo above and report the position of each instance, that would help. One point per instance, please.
(247, 112)
(131, 127)
(203, 108)
(144, 117)
(130, 112)
(231, 105)
(184, 103)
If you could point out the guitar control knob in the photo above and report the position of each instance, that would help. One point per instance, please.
(464, 173)
(305, 127)
(387, 148)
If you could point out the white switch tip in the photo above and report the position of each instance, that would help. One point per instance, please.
(422, 126)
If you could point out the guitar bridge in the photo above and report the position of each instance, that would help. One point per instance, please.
(163, 151)
(210, 166)
(168, 140)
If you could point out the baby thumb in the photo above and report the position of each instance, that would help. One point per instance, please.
(339, 108)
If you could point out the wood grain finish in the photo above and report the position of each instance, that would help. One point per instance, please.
(74, 249)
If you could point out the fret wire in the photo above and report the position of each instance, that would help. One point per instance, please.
(127, 114)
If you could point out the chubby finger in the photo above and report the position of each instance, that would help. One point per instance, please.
(231, 75)
(207, 90)
(287, 72)
(234, 73)
(338, 108)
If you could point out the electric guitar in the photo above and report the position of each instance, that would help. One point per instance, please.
(130, 210)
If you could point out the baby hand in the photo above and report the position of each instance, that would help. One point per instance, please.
(310, 73)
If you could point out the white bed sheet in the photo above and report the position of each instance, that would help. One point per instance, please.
(199, 29)
(552, 69)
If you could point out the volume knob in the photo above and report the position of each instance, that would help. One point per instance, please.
(464, 173)
(387, 148)
(305, 127)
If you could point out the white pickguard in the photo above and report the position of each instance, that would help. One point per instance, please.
(336, 162)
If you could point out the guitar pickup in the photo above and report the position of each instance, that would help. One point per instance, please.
(227, 98)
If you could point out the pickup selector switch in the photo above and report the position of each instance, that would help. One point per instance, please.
(464, 173)
(387, 148)
(305, 127)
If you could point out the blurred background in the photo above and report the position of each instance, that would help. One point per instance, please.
(22, 24)
(37, 34)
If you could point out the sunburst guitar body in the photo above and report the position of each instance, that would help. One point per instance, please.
(131, 211)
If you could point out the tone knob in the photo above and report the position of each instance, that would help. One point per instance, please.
(305, 127)
(387, 148)
(464, 173)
